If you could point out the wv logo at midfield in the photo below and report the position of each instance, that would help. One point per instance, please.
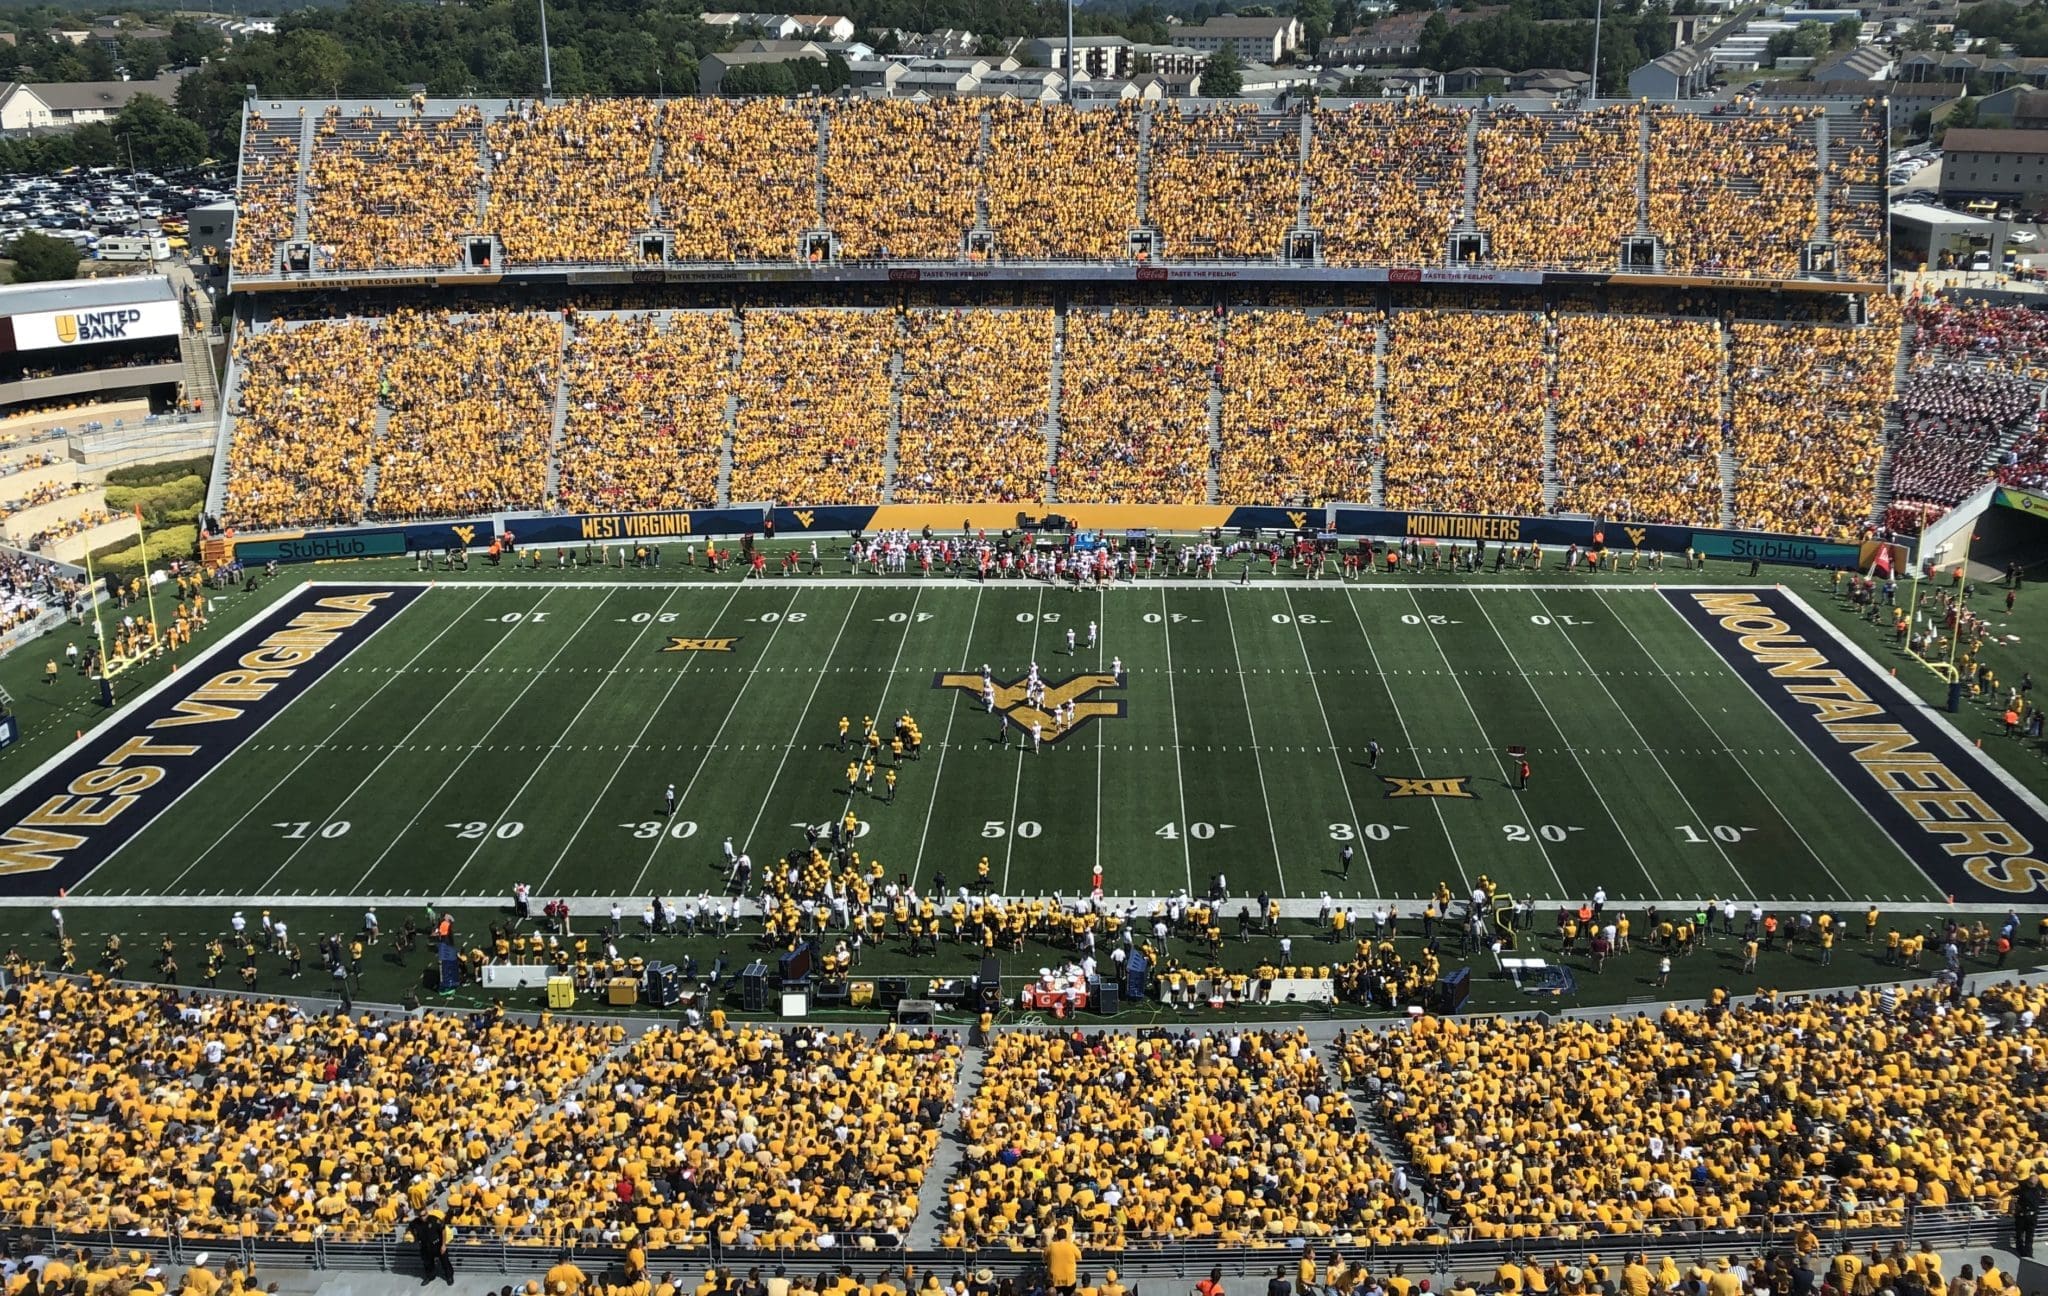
(1010, 700)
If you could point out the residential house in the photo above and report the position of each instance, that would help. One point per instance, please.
(57, 104)
(1864, 63)
(1096, 58)
(1684, 73)
(1996, 164)
(1253, 40)
(712, 68)
(1467, 80)
(1169, 61)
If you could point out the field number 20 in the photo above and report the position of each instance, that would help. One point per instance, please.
(476, 829)
(1548, 832)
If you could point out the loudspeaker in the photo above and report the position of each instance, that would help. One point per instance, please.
(916, 1012)
(451, 969)
(989, 985)
(1451, 991)
(892, 990)
(754, 987)
(1105, 997)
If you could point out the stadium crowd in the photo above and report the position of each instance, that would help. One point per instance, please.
(1298, 406)
(304, 411)
(739, 177)
(813, 404)
(1734, 193)
(571, 181)
(472, 402)
(1559, 189)
(1720, 1117)
(893, 174)
(975, 401)
(645, 421)
(1807, 424)
(1638, 403)
(383, 193)
(1134, 397)
(1464, 412)
(1955, 419)
(1233, 1137)
(1387, 180)
(244, 1117)
(1224, 181)
(1034, 207)
(750, 1137)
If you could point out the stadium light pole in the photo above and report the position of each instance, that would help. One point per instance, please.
(547, 61)
(1599, 8)
(1070, 53)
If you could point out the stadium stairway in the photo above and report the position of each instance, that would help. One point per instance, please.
(1894, 424)
(981, 171)
(373, 470)
(201, 382)
(1471, 216)
(1301, 167)
(824, 151)
(654, 172)
(892, 439)
(1726, 458)
(596, 1071)
(1379, 413)
(483, 180)
(1052, 404)
(1551, 485)
(561, 418)
(1215, 417)
(732, 419)
(1144, 198)
(1643, 174)
(1821, 198)
(302, 214)
(952, 1150)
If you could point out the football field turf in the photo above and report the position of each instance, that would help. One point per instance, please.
(485, 734)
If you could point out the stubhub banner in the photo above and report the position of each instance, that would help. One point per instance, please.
(44, 330)
(362, 542)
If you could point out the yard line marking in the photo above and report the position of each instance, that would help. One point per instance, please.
(312, 750)
(1840, 890)
(1329, 731)
(1017, 791)
(1573, 751)
(705, 763)
(1527, 817)
(1643, 586)
(1180, 782)
(747, 842)
(946, 743)
(1690, 809)
(1258, 761)
(462, 763)
(1408, 743)
(541, 764)
(1101, 643)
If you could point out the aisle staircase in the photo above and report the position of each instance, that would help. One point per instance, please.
(1553, 486)
(303, 214)
(378, 430)
(1302, 195)
(1379, 411)
(561, 418)
(1470, 220)
(1894, 424)
(1215, 416)
(1052, 404)
(893, 440)
(732, 415)
(947, 1159)
(1727, 455)
(1144, 201)
(824, 151)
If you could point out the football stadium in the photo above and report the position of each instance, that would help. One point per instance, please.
(876, 697)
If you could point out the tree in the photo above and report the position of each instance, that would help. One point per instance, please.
(161, 140)
(39, 258)
(1223, 77)
(1436, 32)
(1846, 33)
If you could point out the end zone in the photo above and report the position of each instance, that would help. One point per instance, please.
(65, 819)
(1969, 829)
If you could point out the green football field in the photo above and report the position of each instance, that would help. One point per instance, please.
(511, 730)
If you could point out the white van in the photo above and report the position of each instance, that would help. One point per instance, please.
(134, 247)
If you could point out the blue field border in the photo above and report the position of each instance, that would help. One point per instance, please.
(72, 813)
(1959, 791)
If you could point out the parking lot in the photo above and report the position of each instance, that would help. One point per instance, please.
(88, 205)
